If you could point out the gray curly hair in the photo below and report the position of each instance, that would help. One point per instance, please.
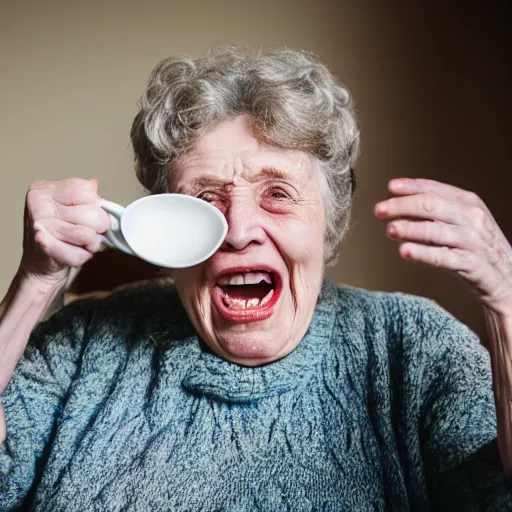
(291, 99)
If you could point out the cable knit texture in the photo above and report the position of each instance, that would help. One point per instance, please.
(386, 404)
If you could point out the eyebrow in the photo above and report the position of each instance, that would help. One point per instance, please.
(266, 173)
(202, 182)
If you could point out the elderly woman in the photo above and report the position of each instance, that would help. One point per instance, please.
(255, 383)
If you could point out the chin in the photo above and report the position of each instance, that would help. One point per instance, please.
(252, 349)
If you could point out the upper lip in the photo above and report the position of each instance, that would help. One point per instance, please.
(249, 268)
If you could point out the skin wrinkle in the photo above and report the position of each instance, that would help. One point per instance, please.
(283, 231)
(501, 354)
(212, 180)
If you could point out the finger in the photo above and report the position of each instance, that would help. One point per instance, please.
(70, 191)
(422, 206)
(448, 258)
(434, 233)
(87, 215)
(73, 234)
(408, 186)
(65, 254)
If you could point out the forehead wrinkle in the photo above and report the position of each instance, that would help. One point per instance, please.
(283, 169)
(238, 169)
(233, 168)
(206, 170)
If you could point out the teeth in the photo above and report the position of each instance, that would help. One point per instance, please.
(236, 280)
(223, 281)
(267, 298)
(232, 303)
(253, 303)
(240, 280)
(239, 303)
(245, 278)
(257, 277)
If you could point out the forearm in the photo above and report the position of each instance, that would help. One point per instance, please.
(499, 327)
(25, 303)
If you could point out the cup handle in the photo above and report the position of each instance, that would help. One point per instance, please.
(114, 237)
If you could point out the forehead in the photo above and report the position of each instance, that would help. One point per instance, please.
(230, 151)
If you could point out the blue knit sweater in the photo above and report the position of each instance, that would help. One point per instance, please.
(386, 404)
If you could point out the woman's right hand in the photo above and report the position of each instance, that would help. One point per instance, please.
(62, 228)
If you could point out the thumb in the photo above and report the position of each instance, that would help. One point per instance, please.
(94, 184)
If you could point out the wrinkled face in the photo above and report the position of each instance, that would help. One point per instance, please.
(253, 300)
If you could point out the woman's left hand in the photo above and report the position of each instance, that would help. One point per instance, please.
(447, 227)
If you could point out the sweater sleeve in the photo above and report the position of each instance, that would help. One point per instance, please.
(458, 421)
(34, 397)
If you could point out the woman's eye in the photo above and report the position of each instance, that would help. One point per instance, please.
(206, 196)
(278, 193)
(214, 199)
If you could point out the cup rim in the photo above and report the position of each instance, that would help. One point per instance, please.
(203, 204)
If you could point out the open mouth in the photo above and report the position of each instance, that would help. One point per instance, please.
(247, 296)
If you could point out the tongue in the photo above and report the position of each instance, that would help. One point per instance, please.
(248, 291)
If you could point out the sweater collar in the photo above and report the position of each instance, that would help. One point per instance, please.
(223, 380)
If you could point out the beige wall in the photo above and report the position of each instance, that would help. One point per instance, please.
(424, 82)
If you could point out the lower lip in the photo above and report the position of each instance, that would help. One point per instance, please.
(241, 316)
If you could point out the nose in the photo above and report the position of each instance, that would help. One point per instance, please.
(244, 226)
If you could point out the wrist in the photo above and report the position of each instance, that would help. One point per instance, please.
(40, 286)
(500, 306)
(43, 282)
(499, 339)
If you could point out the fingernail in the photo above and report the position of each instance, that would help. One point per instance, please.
(405, 252)
(392, 231)
(380, 209)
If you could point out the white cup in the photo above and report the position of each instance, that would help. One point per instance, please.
(168, 230)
